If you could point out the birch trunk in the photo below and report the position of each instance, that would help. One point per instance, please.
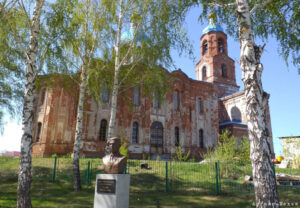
(24, 178)
(78, 132)
(114, 96)
(256, 98)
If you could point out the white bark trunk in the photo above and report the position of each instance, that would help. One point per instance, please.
(78, 132)
(256, 98)
(114, 96)
(24, 178)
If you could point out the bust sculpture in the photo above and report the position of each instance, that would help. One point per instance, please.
(114, 163)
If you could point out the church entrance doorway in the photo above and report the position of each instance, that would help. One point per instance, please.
(156, 135)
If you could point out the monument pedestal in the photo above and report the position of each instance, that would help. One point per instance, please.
(112, 191)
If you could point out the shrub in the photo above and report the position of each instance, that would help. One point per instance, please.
(124, 147)
(180, 156)
(229, 149)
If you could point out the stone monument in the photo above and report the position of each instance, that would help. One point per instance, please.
(112, 188)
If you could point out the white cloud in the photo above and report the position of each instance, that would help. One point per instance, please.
(11, 139)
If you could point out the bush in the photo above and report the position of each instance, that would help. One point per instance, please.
(180, 156)
(229, 149)
(124, 147)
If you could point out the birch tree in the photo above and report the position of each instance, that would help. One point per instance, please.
(248, 19)
(154, 28)
(25, 46)
(80, 25)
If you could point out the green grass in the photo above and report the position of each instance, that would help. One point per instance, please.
(190, 185)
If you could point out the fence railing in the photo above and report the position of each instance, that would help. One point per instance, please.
(168, 176)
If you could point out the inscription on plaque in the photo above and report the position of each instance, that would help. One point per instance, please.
(106, 186)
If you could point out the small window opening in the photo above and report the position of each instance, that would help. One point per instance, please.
(38, 134)
(103, 126)
(204, 47)
(135, 130)
(176, 136)
(201, 139)
(220, 45)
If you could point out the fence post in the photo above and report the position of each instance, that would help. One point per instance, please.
(91, 173)
(125, 168)
(167, 184)
(54, 170)
(217, 179)
(87, 178)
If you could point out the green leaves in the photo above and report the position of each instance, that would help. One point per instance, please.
(230, 148)
(279, 18)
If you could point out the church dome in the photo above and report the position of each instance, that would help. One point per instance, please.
(128, 35)
(212, 27)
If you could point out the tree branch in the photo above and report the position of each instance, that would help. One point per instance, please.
(130, 46)
(17, 39)
(129, 71)
(222, 5)
(259, 6)
(25, 12)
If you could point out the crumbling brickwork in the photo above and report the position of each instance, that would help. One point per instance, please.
(191, 115)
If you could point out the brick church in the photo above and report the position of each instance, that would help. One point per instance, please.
(191, 115)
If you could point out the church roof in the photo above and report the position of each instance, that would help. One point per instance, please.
(212, 27)
(232, 122)
(128, 36)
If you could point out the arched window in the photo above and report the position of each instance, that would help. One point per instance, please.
(220, 45)
(156, 99)
(43, 94)
(200, 105)
(236, 114)
(224, 70)
(176, 133)
(204, 47)
(135, 132)
(38, 133)
(104, 93)
(156, 133)
(204, 74)
(176, 100)
(136, 96)
(201, 139)
(103, 126)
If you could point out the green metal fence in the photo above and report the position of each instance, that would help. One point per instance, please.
(165, 176)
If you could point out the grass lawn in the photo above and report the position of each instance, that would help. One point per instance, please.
(60, 194)
(193, 185)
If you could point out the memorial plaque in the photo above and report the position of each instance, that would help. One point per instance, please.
(106, 186)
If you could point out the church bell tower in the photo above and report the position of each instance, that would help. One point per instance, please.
(215, 65)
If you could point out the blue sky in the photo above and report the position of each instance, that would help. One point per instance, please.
(280, 81)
